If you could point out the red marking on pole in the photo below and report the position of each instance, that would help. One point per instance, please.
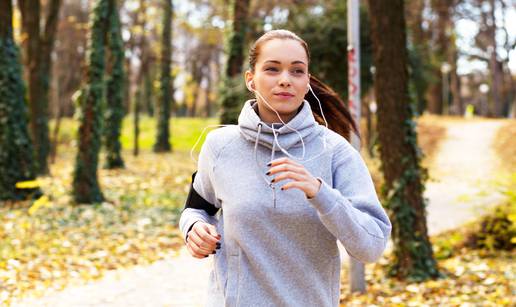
(352, 87)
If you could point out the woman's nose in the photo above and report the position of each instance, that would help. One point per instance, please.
(284, 80)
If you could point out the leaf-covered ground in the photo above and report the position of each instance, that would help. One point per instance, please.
(52, 243)
(472, 278)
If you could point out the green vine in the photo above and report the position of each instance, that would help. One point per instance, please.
(17, 160)
(86, 188)
(403, 215)
(115, 95)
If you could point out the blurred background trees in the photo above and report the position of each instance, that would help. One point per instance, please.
(98, 61)
(454, 47)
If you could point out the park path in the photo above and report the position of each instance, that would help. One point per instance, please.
(460, 183)
(462, 174)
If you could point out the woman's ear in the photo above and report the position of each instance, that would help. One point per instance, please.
(308, 85)
(249, 80)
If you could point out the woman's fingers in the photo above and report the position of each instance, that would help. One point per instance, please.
(199, 244)
(207, 233)
(284, 167)
(289, 175)
(202, 240)
(282, 161)
(296, 184)
(193, 252)
(211, 230)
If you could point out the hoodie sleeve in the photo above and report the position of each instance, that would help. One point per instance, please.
(350, 209)
(202, 183)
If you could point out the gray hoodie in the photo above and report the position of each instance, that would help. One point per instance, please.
(279, 248)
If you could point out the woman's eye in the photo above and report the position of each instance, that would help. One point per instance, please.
(299, 71)
(271, 69)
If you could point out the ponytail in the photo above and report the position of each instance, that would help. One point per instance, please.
(335, 110)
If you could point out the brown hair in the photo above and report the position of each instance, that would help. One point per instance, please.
(335, 110)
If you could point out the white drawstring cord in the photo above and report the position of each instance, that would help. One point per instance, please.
(199, 138)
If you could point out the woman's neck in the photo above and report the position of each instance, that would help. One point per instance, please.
(272, 118)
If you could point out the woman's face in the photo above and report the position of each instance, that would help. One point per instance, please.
(281, 77)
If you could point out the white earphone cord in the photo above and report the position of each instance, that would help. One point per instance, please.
(292, 129)
(274, 131)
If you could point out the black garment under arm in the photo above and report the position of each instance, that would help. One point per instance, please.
(196, 201)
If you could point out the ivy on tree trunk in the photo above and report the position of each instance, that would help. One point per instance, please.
(400, 155)
(86, 188)
(115, 94)
(16, 152)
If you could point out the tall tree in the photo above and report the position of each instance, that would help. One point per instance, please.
(163, 133)
(141, 22)
(115, 93)
(40, 43)
(400, 156)
(86, 188)
(497, 107)
(442, 27)
(16, 154)
(231, 94)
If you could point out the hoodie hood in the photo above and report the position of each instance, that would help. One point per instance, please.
(253, 129)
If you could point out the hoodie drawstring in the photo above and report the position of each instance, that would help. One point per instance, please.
(255, 152)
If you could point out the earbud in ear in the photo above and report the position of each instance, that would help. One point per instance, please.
(250, 85)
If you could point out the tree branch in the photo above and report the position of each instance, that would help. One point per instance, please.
(51, 22)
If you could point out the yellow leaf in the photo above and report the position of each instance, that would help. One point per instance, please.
(32, 184)
(43, 200)
(512, 217)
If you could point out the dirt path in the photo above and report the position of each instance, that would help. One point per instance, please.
(462, 175)
(179, 281)
(460, 182)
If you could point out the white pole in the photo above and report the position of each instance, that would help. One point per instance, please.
(357, 269)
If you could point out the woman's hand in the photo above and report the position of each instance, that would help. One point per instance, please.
(302, 179)
(202, 240)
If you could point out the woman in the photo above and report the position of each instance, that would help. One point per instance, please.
(288, 188)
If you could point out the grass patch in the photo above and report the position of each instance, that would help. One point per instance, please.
(184, 132)
(505, 146)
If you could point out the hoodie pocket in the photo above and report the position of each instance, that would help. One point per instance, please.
(233, 280)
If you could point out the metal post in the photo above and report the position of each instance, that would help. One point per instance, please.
(445, 70)
(357, 269)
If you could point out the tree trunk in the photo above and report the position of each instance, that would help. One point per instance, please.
(420, 41)
(85, 183)
(403, 190)
(497, 107)
(457, 103)
(115, 93)
(231, 100)
(39, 49)
(442, 27)
(136, 123)
(209, 82)
(163, 134)
(16, 152)
(148, 94)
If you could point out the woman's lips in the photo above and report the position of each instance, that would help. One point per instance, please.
(284, 95)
